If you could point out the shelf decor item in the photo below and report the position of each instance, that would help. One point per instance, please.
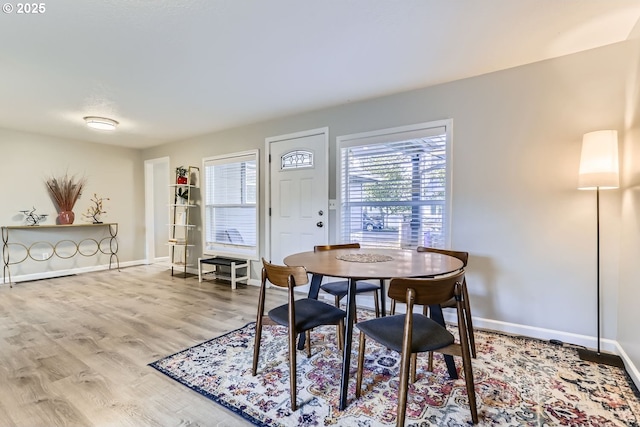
(181, 175)
(94, 212)
(65, 192)
(32, 217)
(183, 196)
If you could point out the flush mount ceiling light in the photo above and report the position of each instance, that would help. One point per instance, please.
(100, 123)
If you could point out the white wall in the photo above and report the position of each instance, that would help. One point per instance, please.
(27, 160)
(516, 146)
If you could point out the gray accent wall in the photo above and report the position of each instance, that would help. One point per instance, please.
(517, 138)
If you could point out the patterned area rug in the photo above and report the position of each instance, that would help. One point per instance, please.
(519, 382)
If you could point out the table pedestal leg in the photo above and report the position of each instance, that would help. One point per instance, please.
(314, 290)
(346, 356)
(436, 314)
(383, 299)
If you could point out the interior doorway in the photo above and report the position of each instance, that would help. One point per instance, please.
(156, 185)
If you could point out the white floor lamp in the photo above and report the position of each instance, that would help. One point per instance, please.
(599, 171)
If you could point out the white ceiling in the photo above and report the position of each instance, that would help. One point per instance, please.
(172, 69)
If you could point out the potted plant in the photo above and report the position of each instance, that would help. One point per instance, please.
(181, 173)
(183, 195)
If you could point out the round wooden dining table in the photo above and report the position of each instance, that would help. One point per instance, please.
(370, 263)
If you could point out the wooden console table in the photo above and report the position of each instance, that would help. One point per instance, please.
(78, 247)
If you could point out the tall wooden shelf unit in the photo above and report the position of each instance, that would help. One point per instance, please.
(181, 227)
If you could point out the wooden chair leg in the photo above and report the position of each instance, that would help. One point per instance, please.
(430, 362)
(259, 319)
(340, 334)
(256, 346)
(392, 309)
(466, 364)
(292, 368)
(360, 365)
(471, 392)
(469, 322)
(403, 386)
(308, 334)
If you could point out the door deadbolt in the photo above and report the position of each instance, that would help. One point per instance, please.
(320, 212)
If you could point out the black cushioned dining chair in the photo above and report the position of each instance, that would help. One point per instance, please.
(464, 257)
(413, 333)
(339, 289)
(298, 316)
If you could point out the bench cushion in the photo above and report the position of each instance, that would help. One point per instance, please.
(222, 261)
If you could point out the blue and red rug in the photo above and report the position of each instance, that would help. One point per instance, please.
(519, 382)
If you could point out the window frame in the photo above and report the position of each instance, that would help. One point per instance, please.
(229, 249)
(395, 134)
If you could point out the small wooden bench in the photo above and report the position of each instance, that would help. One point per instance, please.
(234, 265)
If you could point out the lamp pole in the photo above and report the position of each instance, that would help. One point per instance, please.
(599, 169)
(598, 262)
(590, 355)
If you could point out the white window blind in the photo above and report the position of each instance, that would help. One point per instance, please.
(231, 205)
(395, 186)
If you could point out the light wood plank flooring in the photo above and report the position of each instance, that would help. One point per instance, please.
(74, 350)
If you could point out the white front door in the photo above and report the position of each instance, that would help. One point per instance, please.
(298, 189)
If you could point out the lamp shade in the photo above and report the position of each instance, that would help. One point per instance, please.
(599, 161)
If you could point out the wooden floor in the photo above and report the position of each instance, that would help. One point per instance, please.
(74, 350)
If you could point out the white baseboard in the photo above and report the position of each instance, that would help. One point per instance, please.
(543, 334)
(632, 369)
(567, 338)
(72, 271)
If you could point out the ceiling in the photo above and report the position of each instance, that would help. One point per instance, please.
(168, 70)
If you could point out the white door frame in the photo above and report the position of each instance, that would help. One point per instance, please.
(150, 204)
(267, 192)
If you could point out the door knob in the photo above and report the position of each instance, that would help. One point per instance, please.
(319, 224)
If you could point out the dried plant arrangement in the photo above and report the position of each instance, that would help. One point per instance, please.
(65, 192)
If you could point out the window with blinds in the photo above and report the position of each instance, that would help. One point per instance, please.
(395, 186)
(231, 205)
